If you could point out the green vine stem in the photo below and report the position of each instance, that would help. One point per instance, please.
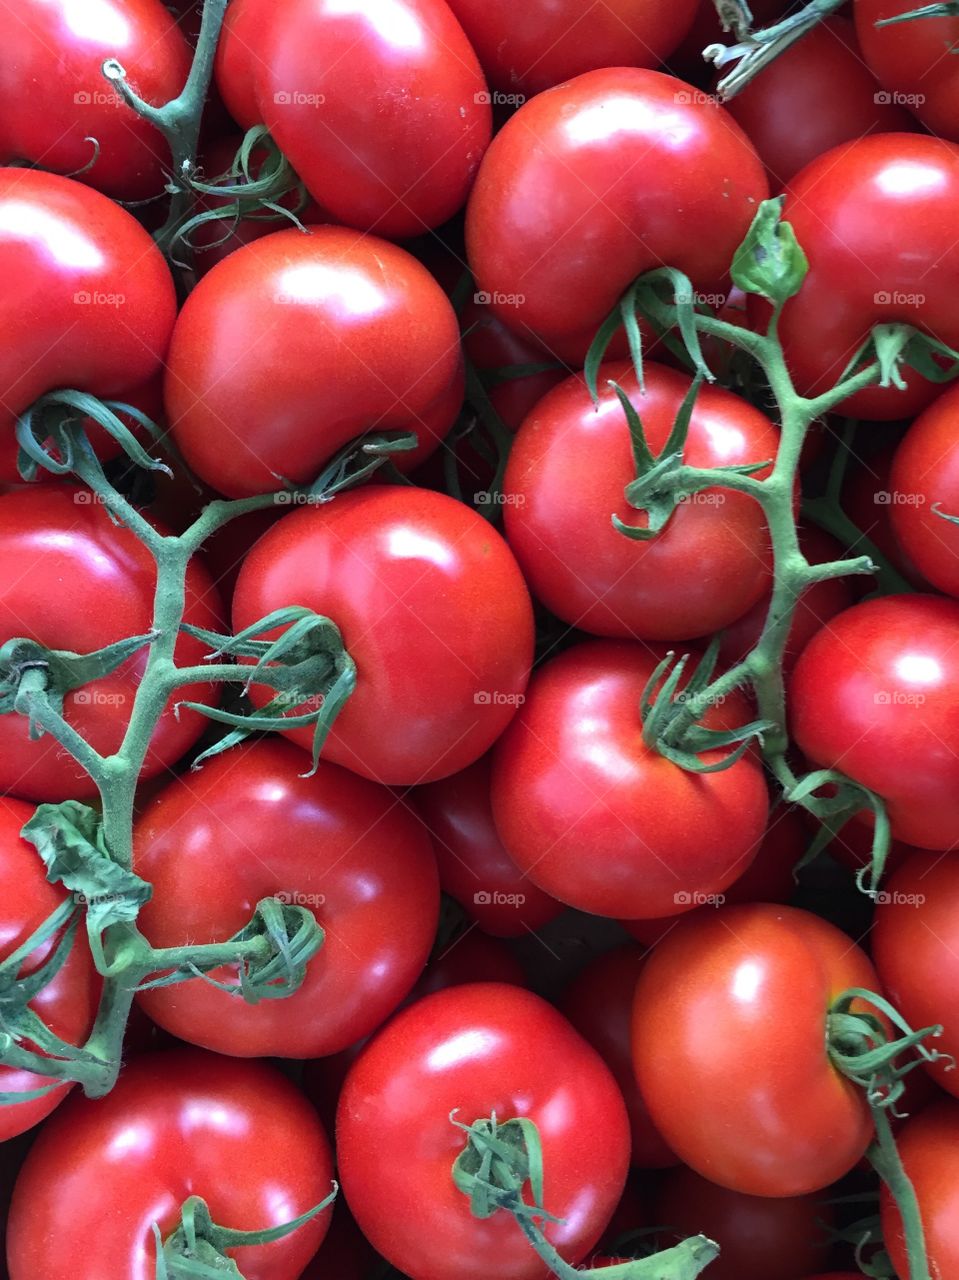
(755, 50)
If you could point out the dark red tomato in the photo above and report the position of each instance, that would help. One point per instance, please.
(67, 1004)
(72, 579)
(381, 109)
(879, 687)
(530, 48)
(759, 1238)
(868, 500)
(490, 345)
(924, 479)
(754, 1107)
(297, 343)
(55, 100)
(225, 552)
(911, 60)
(875, 219)
(601, 820)
(249, 826)
(575, 458)
(588, 186)
(433, 609)
(929, 1149)
(477, 1050)
(475, 869)
(852, 846)
(344, 1254)
(599, 1004)
(238, 1134)
(86, 302)
(816, 95)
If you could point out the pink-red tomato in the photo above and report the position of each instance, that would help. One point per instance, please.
(477, 1050)
(929, 1148)
(299, 342)
(912, 60)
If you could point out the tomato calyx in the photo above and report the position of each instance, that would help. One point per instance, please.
(896, 345)
(50, 435)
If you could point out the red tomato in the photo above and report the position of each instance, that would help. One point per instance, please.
(58, 544)
(381, 109)
(475, 869)
(297, 343)
(603, 821)
(54, 98)
(344, 1254)
(688, 62)
(868, 500)
(875, 219)
(86, 303)
(814, 96)
(477, 1050)
(573, 457)
(878, 686)
(67, 1004)
(433, 609)
(929, 1148)
(852, 846)
(536, 46)
(490, 345)
(759, 1238)
(924, 477)
(599, 1004)
(177, 1124)
(250, 826)
(588, 186)
(753, 1107)
(911, 60)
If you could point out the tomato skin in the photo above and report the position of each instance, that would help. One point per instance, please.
(297, 343)
(869, 500)
(875, 220)
(66, 251)
(388, 141)
(928, 1146)
(599, 819)
(433, 609)
(72, 579)
(333, 837)
(911, 60)
(184, 1123)
(477, 1050)
(628, 169)
(752, 1109)
(575, 458)
(877, 686)
(68, 1003)
(490, 345)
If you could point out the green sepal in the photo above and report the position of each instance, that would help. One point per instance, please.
(58, 416)
(770, 261)
(944, 9)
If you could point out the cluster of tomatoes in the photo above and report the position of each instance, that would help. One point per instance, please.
(574, 1003)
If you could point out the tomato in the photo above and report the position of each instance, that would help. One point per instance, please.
(879, 685)
(475, 869)
(86, 301)
(570, 456)
(911, 60)
(248, 826)
(72, 579)
(547, 41)
(868, 500)
(599, 1004)
(177, 1124)
(433, 609)
(924, 479)
(597, 181)
(875, 220)
(490, 345)
(752, 1106)
(852, 846)
(759, 1238)
(381, 109)
(601, 820)
(929, 1148)
(67, 1004)
(814, 96)
(344, 1253)
(55, 100)
(297, 343)
(477, 1050)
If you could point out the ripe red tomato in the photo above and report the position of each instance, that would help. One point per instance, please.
(911, 60)
(381, 109)
(248, 826)
(177, 1124)
(601, 820)
(72, 579)
(477, 1050)
(297, 343)
(591, 184)
(925, 476)
(67, 1004)
(879, 685)
(573, 457)
(875, 220)
(929, 1147)
(433, 609)
(86, 301)
(753, 1107)
(490, 345)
